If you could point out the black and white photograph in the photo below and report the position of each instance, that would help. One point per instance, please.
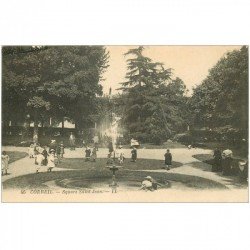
(125, 123)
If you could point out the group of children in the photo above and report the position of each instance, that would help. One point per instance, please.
(91, 155)
(46, 156)
(117, 154)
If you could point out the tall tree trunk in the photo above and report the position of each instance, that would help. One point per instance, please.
(26, 127)
(35, 134)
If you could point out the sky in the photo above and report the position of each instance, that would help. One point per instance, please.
(190, 63)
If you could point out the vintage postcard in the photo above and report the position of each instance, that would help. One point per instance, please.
(124, 123)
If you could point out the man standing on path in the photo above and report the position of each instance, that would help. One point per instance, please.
(168, 159)
(134, 154)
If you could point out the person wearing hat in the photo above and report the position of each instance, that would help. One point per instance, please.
(146, 183)
(149, 184)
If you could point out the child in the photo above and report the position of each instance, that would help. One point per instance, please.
(5, 163)
(168, 159)
(110, 160)
(61, 150)
(51, 161)
(31, 150)
(45, 155)
(120, 155)
(87, 154)
(150, 183)
(94, 154)
(134, 154)
(39, 159)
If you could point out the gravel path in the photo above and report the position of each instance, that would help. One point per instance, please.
(191, 166)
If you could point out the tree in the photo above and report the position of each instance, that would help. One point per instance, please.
(150, 99)
(58, 80)
(220, 103)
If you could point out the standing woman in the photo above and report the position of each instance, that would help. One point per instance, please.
(168, 159)
(134, 154)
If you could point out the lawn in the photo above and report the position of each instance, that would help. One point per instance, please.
(141, 164)
(100, 174)
(15, 155)
(165, 145)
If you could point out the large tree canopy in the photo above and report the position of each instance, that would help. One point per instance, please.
(221, 101)
(61, 80)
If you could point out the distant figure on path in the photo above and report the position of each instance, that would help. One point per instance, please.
(87, 153)
(72, 141)
(227, 162)
(168, 159)
(134, 154)
(51, 161)
(45, 155)
(217, 164)
(31, 150)
(61, 150)
(94, 154)
(5, 163)
(120, 154)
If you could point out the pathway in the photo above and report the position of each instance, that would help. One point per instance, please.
(191, 166)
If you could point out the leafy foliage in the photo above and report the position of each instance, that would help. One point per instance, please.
(220, 103)
(57, 81)
(150, 100)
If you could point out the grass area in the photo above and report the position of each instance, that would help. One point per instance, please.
(140, 164)
(165, 145)
(38, 180)
(15, 155)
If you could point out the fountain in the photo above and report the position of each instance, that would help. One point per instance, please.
(113, 185)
